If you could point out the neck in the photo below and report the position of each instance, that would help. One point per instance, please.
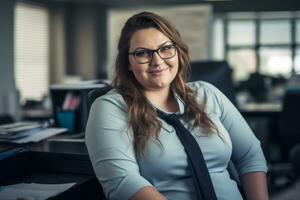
(162, 99)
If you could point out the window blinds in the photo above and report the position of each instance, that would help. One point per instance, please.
(31, 50)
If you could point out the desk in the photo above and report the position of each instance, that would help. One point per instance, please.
(61, 145)
(54, 161)
(261, 109)
(263, 119)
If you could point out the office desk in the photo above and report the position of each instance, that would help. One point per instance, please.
(261, 109)
(71, 146)
(263, 119)
(54, 161)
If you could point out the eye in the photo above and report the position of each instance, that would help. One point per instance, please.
(166, 48)
(142, 53)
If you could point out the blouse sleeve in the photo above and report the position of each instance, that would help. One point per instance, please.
(111, 151)
(247, 154)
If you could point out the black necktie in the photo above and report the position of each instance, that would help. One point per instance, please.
(203, 185)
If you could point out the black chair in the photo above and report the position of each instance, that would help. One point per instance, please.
(288, 142)
(94, 94)
(295, 160)
(289, 131)
(217, 73)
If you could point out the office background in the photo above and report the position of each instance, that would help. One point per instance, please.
(76, 37)
(46, 42)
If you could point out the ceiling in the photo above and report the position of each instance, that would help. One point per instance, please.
(218, 5)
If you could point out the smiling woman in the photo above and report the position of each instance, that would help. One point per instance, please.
(154, 69)
(155, 136)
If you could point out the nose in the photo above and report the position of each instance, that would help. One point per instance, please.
(156, 59)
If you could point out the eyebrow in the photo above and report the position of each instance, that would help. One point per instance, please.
(143, 48)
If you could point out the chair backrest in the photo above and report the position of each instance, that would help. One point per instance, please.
(94, 94)
(295, 159)
(217, 73)
(289, 130)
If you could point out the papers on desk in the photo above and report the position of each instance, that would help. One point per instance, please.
(24, 132)
(32, 191)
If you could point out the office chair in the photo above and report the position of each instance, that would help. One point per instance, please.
(217, 73)
(288, 137)
(94, 94)
(289, 131)
(295, 160)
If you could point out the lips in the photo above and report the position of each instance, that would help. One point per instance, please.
(157, 71)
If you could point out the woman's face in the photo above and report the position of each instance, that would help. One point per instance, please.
(158, 73)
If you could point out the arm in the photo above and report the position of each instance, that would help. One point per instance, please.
(255, 186)
(148, 193)
(110, 148)
(247, 154)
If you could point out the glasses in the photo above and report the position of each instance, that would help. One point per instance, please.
(143, 56)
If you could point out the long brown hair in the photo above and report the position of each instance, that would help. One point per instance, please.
(142, 116)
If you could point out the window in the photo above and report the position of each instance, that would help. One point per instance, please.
(241, 32)
(276, 61)
(244, 58)
(275, 32)
(31, 50)
(264, 42)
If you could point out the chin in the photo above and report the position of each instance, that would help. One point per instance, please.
(162, 84)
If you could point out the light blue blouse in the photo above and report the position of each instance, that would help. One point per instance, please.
(109, 143)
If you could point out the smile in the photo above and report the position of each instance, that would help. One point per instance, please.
(158, 71)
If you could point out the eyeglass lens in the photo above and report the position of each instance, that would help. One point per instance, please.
(145, 55)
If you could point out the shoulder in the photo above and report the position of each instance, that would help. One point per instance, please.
(109, 100)
(204, 89)
(108, 111)
(206, 94)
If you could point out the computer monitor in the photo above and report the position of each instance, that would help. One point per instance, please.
(217, 73)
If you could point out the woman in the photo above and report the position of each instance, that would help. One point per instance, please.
(135, 154)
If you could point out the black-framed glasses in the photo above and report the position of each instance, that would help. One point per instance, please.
(143, 56)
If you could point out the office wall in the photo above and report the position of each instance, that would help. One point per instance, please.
(57, 44)
(86, 40)
(6, 45)
(8, 94)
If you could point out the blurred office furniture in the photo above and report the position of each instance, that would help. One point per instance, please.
(9, 103)
(72, 165)
(293, 83)
(34, 110)
(263, 120)
(286, 139)
(94, 94)
(295, 160)
(262, 88)
(289, 132)
(74, 119)
(258, 86)
(292, 192)
(217, 73)
(5, 118)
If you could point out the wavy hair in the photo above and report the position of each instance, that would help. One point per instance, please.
(142, 117)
